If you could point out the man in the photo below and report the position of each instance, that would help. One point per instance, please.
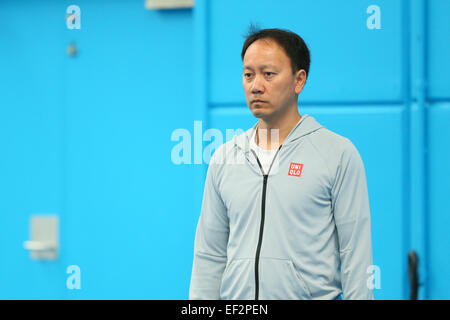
(292, 220)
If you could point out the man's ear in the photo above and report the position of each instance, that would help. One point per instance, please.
(300, 79)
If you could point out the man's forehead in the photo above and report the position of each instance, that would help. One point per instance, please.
(264, 53)
(260, 66)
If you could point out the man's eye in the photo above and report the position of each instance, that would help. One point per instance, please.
(269, 74)
(247, 75)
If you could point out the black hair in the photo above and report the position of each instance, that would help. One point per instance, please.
(292, 43)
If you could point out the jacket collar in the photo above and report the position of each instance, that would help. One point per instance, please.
(305, 126)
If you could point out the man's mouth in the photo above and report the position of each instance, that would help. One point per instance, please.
(258, 101)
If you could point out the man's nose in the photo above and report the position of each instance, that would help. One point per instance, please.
(257, 85)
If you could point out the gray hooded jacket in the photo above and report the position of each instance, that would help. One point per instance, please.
(300, 231)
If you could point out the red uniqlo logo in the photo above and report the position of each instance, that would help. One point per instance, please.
(295, 169)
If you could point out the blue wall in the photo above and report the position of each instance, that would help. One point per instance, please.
(88, 137)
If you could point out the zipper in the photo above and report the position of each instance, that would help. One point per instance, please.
(263, 214)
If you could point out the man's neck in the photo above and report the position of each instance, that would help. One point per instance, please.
(267, 138)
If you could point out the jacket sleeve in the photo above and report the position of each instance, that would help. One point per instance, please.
(351, 210)
(211, 239)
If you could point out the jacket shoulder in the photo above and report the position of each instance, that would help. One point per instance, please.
(335, 150)
(330, 142)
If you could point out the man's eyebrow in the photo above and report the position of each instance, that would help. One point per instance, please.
(264, 66)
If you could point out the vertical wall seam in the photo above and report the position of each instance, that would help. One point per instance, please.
(418, 165)
(406, 75)
(426, 153)
(200, 15)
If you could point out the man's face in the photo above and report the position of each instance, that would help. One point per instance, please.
(269, 85)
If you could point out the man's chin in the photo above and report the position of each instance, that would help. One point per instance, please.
(261, 114)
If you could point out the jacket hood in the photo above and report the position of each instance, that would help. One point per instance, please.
(305, 126)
